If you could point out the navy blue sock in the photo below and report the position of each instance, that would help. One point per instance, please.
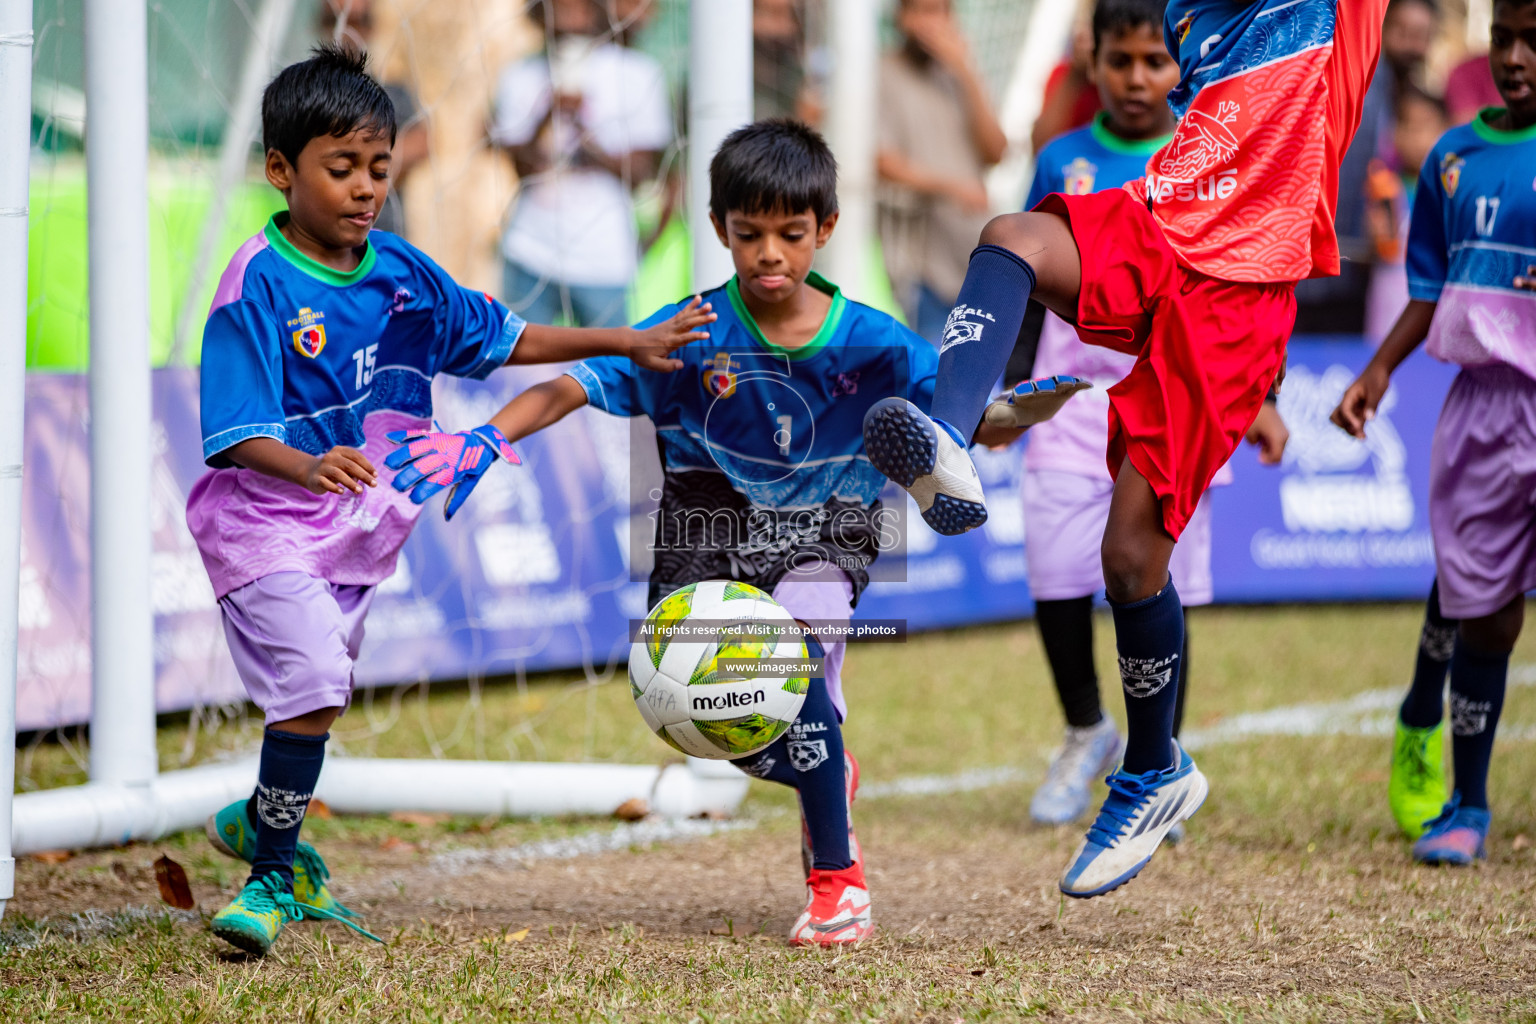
(1149, 634)
(809, 757)
(1425, 704)
(979, 337)
(290, 767)
(1477, 697)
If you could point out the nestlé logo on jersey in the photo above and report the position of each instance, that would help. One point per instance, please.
(1201, 144)
(309, 333)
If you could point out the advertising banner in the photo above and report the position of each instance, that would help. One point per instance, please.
(533, 573)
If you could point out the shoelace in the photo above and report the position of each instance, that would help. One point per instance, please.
(271, 894)
(1415, 760)
(1126, 793)
(308, 858)
(1446, 819)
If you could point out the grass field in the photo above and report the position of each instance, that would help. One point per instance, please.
(1291, 900)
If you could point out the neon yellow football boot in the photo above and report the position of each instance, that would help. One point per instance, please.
(1417, 789)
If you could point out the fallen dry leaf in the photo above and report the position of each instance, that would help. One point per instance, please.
(320, 809)
(1522, 841)
(421, 819)
(632, 809)
(172, 879)
(517, 936)
(53, 856)
(395, 843)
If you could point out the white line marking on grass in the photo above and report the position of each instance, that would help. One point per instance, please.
(1372, 713)
(1365, 714)
(586, 844)
(90, 924)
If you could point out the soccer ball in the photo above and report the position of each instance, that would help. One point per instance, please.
(675, 677)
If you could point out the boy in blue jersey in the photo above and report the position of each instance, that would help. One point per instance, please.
(766, 480)
(1471, 243)
(325, 335)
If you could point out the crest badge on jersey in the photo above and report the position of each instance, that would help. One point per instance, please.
(720, 375)
(1079, 176)
(1450, 172)
(1181, 30)
(309, 332)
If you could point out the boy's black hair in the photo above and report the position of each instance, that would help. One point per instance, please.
(331, 93)
(775, 166)
(1121, 16)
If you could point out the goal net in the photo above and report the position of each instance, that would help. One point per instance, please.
(502, 635)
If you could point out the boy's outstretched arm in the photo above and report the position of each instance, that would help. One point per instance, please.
(541, 406)
(1358, 406)
(650, 348)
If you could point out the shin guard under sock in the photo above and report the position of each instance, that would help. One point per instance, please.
(979, 337)
(1477, 698)
(290, 767)
(1424, 706)
(1149, 635)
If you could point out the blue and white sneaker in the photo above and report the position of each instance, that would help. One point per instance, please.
(1085, 755)
(905, 444)
(1031, 402)
(1137, 814)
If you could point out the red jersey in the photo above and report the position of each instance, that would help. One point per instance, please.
(1269, 99)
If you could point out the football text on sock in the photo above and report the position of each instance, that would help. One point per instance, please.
(1149, 635)
(979, 337)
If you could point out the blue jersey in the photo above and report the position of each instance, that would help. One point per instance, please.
(1472, 232)
(314, 358)
(762, 447)
(296, 351)
(1090, 159)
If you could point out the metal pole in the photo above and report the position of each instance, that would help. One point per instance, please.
(244, 118)
(719, 102)
(16, 128)
(117, 173)
(853, 108)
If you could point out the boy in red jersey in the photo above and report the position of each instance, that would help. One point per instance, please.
(1192, 270)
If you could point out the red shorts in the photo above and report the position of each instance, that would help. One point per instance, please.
(1206, 350)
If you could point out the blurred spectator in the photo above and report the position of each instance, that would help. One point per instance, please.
(1421, 120)
(352, 20)
(584, 121)
(1336, 305)
(1070, 99)
(1469, 89)
(937, 136)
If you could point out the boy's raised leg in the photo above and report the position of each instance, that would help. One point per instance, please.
(1020, 255)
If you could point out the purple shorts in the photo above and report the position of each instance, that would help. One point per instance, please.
(826, 595)
(1064, 518)
(294, 639)
(1482, 491)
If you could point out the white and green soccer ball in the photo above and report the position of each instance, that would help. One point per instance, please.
(680, 688)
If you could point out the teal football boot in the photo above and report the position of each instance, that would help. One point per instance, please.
(258, 915)
(232, 832)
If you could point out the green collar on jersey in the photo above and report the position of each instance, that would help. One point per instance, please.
(314, 268)
(810, 348)
(1115, 144)
(1498, 136)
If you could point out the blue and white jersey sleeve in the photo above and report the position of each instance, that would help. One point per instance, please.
(242, 379)
(1428, 255)
(617, 386)
(473, 334)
